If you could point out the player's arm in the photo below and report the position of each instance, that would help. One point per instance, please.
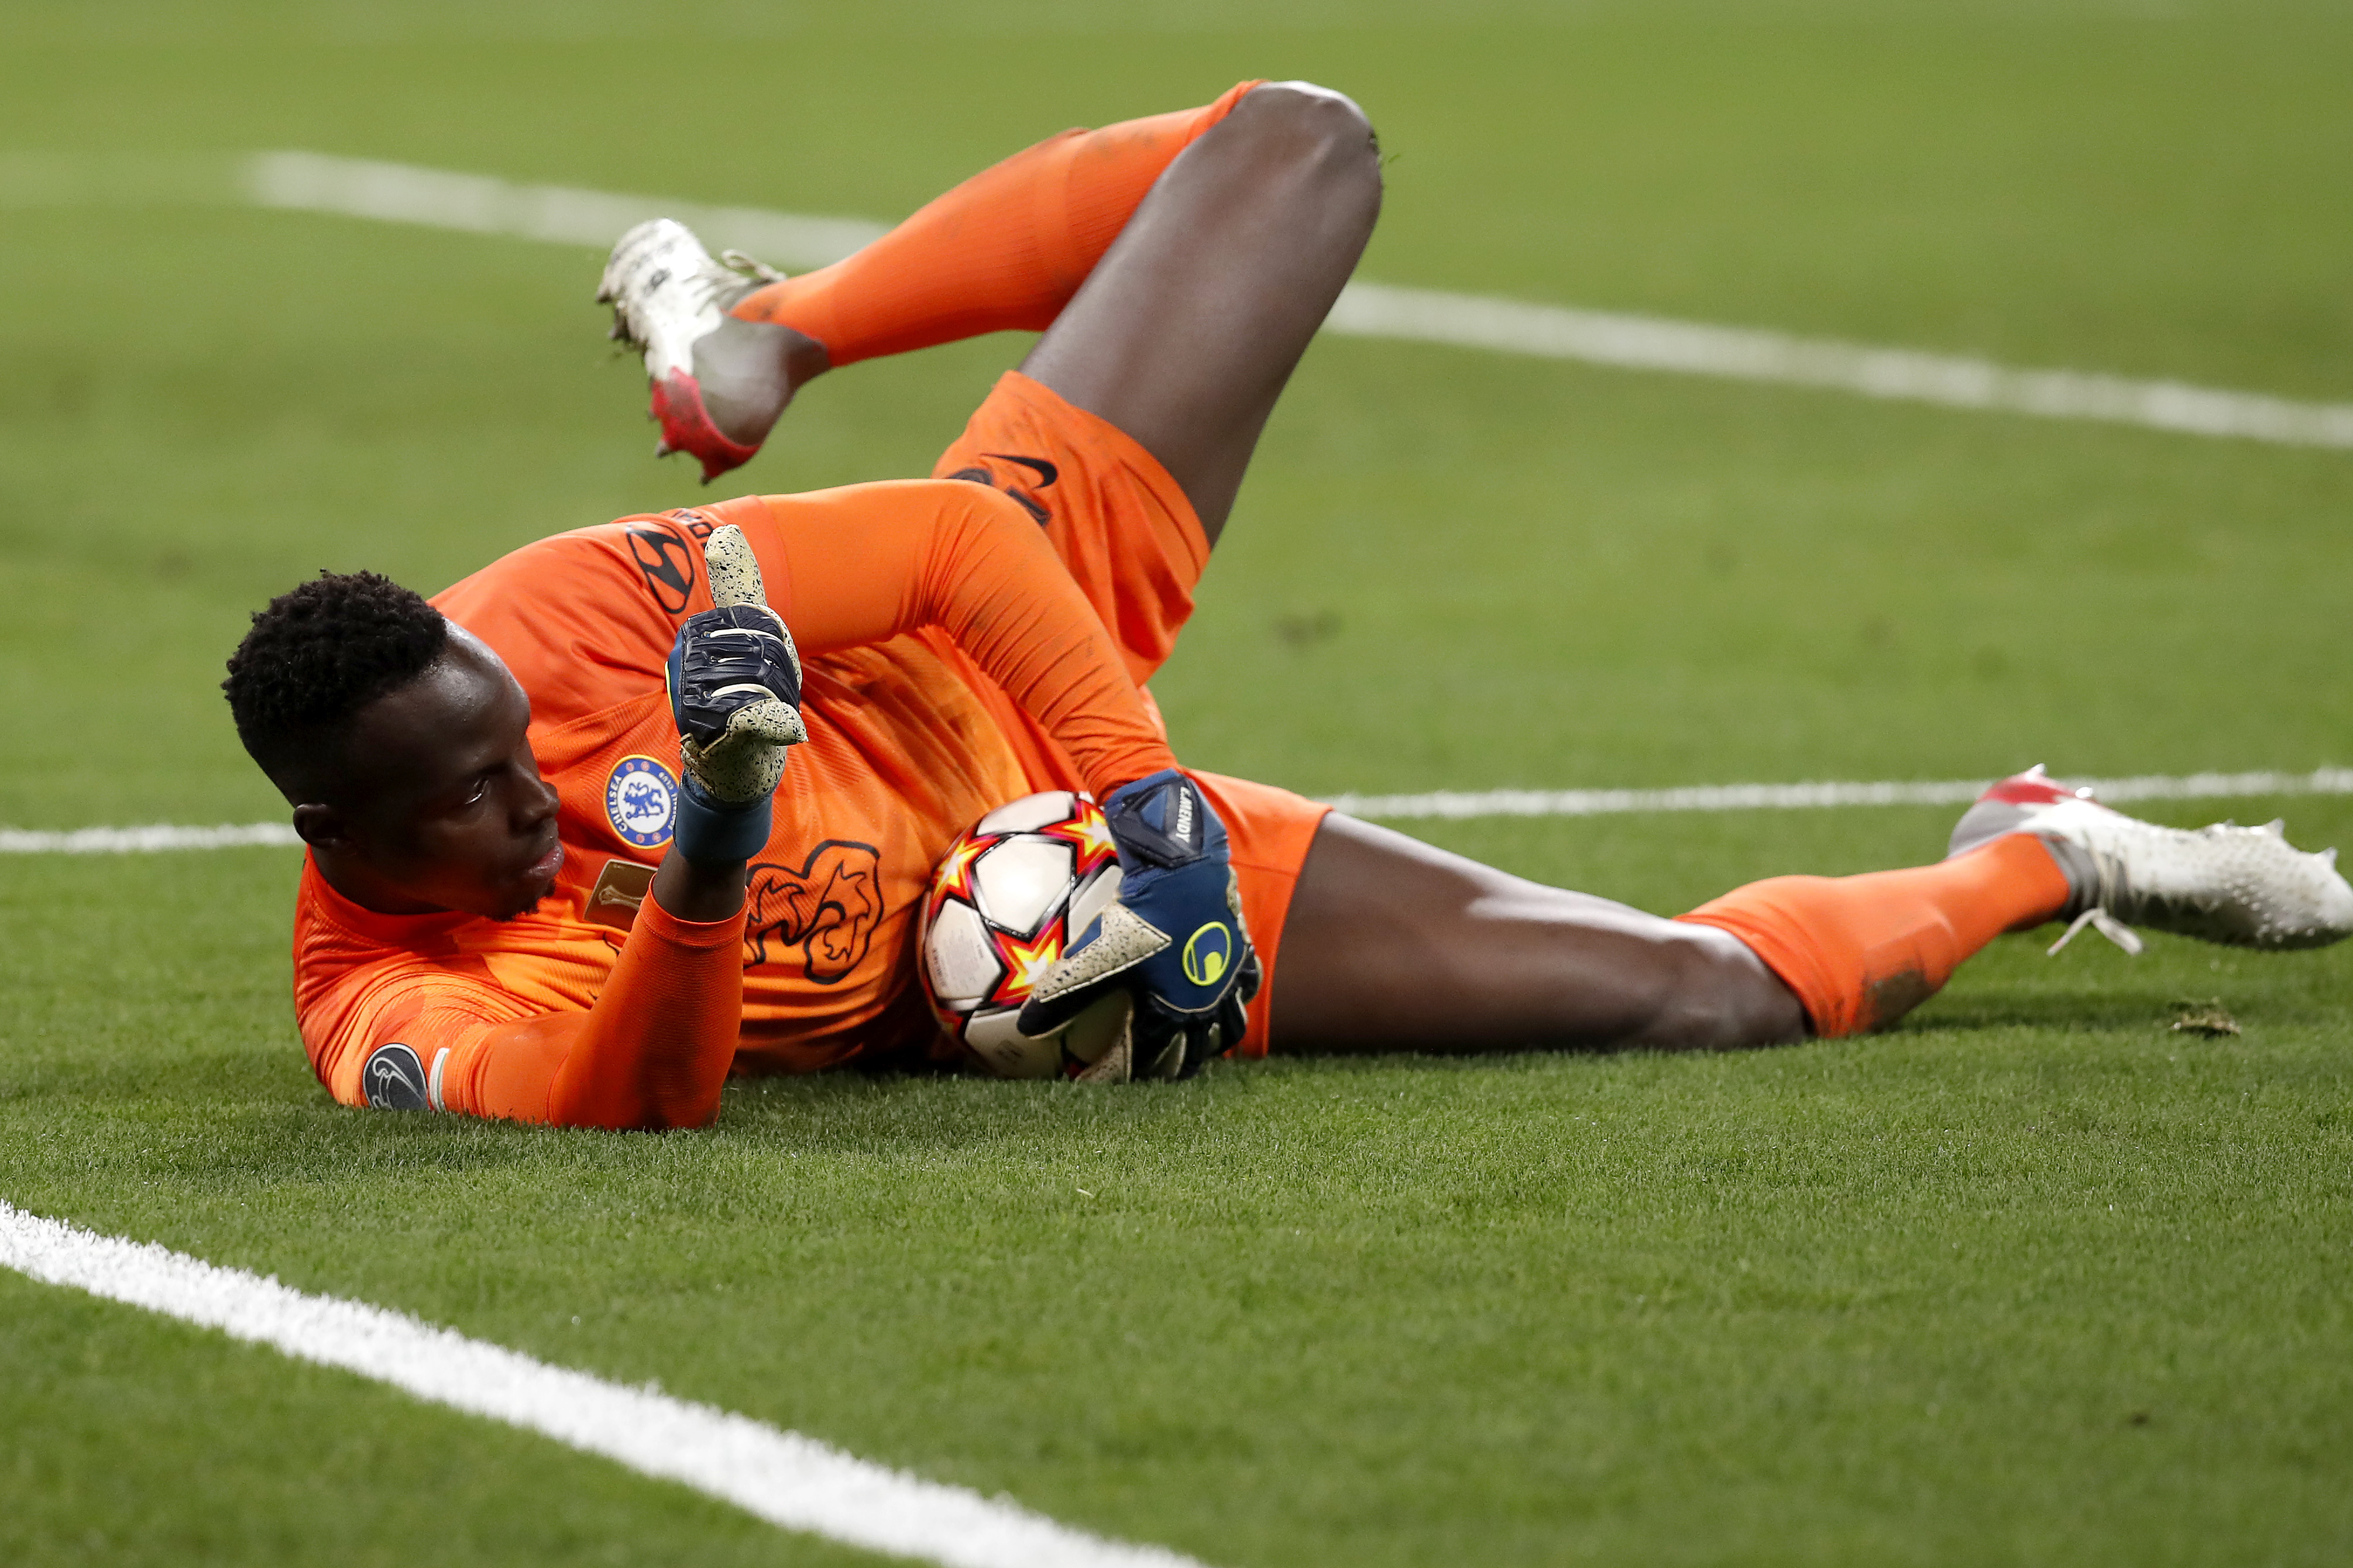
(967, 559)
(891, 558)
(652, 1053)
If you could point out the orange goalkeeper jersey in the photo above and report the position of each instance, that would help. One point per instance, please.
(951, 665)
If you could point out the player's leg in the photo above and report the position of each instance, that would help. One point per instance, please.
(1127, 429)
(1391, 944)
(1004, 250)
(1185, 331)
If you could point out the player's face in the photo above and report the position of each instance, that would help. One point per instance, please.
(454, 814)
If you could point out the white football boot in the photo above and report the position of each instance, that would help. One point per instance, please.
(667, 293)
(2247, 887)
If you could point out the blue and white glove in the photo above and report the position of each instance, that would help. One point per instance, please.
(1173, 939)
(734, 689)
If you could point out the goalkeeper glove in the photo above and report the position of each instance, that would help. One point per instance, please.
(734, 685)
(1174, 939)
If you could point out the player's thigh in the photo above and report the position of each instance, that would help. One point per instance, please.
(1122, 527)
(1393, 944)
(1186, 330)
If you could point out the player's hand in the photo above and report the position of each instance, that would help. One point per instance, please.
(1174, 939)
(734, 689)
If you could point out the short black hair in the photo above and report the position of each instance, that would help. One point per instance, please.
(318, 655)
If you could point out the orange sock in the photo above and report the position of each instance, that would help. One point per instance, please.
(1863, 950)
(1005, 250)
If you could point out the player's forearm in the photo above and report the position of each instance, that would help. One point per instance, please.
(700, 893)
(994, 582)
(659, 1043)
(962, 558)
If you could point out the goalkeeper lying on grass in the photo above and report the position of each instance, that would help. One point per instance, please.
(559, 870)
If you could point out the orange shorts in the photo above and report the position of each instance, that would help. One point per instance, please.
(1128, 535)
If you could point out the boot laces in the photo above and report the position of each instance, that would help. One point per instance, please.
(710, 281)
(750, 267)
(2107, 925)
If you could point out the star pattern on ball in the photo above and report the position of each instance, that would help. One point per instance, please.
(1088, 833)
(1026, 963)
(954, 875)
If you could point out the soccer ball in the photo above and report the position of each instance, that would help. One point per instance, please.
(1007, 900)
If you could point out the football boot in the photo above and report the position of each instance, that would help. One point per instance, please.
(2246, 886)
(668, 295)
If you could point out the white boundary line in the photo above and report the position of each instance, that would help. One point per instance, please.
(782, 1477)
(438, 198)
(1805, 796)
(1432, 804)
(141, 840)
(480, 204)
(1906, 375)
(399, 193)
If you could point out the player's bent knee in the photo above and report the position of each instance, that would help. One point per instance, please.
(1328, 105)
(1325, 125)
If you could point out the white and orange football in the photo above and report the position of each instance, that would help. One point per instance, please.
(1008, 897)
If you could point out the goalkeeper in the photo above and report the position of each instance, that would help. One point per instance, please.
(569, 862)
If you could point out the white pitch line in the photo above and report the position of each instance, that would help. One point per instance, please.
(404, 194)
(1441, 803)
(1906, 375)
(1809, 796)
(782, 1477)
(438, 198)
(480, 204)
(141, 840)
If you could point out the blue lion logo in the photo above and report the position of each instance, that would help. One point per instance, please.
(640, 799)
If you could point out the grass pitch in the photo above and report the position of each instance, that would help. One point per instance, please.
(2031, 1278)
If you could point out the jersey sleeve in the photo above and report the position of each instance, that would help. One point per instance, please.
(653, 1052)
(868, 562)
(585, 619)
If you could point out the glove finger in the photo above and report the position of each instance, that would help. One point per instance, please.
(734, 571)
(783, 633)
(1210, 1041)
(792, 651)
(1043, 1013)
(742, 640)
(734, 777)
(767, 722)
(747, 760)
(1248, 979)
(1111, 1068)
(1158, 1048)
(1122, 940)
(1233, 1023)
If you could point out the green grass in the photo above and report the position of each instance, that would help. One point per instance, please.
(2031, 1278)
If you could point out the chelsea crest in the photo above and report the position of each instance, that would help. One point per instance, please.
(641, 801)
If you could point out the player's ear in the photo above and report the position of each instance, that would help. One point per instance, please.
(322, 827)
